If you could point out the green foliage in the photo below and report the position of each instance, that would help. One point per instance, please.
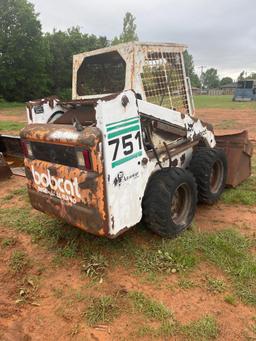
(60, 47)
(243, 76)
(101, 310)
(22, 57)
(129, 30)
(211, 78)
(33, 65)
(226, 80)
(190, 70)
(150, 308)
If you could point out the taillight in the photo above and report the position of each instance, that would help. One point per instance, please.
(83, 159)
(26, 148)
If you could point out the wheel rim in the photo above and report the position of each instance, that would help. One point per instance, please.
(181, 203)
(216, 177)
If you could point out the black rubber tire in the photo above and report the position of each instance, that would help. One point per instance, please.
(209, 166)
(164, 190)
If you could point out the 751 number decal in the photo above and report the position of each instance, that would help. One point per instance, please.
(128, 143)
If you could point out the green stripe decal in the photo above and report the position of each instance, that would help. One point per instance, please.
(123, 125)
(123, 131)
(125, 159)
(128, 119)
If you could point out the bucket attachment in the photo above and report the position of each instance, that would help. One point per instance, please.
(5, 171)
(239, 151)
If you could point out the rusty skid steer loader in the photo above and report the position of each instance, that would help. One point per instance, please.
(127, 146)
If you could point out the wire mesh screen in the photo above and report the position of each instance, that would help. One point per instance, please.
(163, 80)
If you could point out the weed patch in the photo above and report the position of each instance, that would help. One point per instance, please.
(95, 266)
(169, 257)
(186, 284)
(215, 285)
(204, 329)
(150, 308)
(19, 261)
(8, 242)
(230, 299)
(101, 310)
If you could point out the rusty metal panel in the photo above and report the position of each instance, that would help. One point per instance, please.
(239, 151)
(60, 133)
(72, 194)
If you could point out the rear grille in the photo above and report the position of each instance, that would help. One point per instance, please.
(54, 153)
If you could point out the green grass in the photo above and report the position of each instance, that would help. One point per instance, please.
(186, 284)
(171, 256)
(21, 192)
(95, 266)
(204, 329)
(101, 310)
(10, 105)
(8, 242)
(10, 125)
(230, 299)
(19, 261)
(150, 308)
(215, 285)
(230, 251)
(245, 193)
(221, 102)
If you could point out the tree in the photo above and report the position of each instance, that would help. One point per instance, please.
(22, 57)
(129, 30)
(241, 76)
(226, 80)
(190, 70)
(211, 78)
(61, 47)
(252, 76)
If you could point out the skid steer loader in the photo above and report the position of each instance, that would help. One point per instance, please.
(127, 146)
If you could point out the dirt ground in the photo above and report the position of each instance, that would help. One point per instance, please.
(52, 314)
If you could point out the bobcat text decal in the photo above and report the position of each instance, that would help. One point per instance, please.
(63, 189)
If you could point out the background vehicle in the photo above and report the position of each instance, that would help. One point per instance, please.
(245, 91)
